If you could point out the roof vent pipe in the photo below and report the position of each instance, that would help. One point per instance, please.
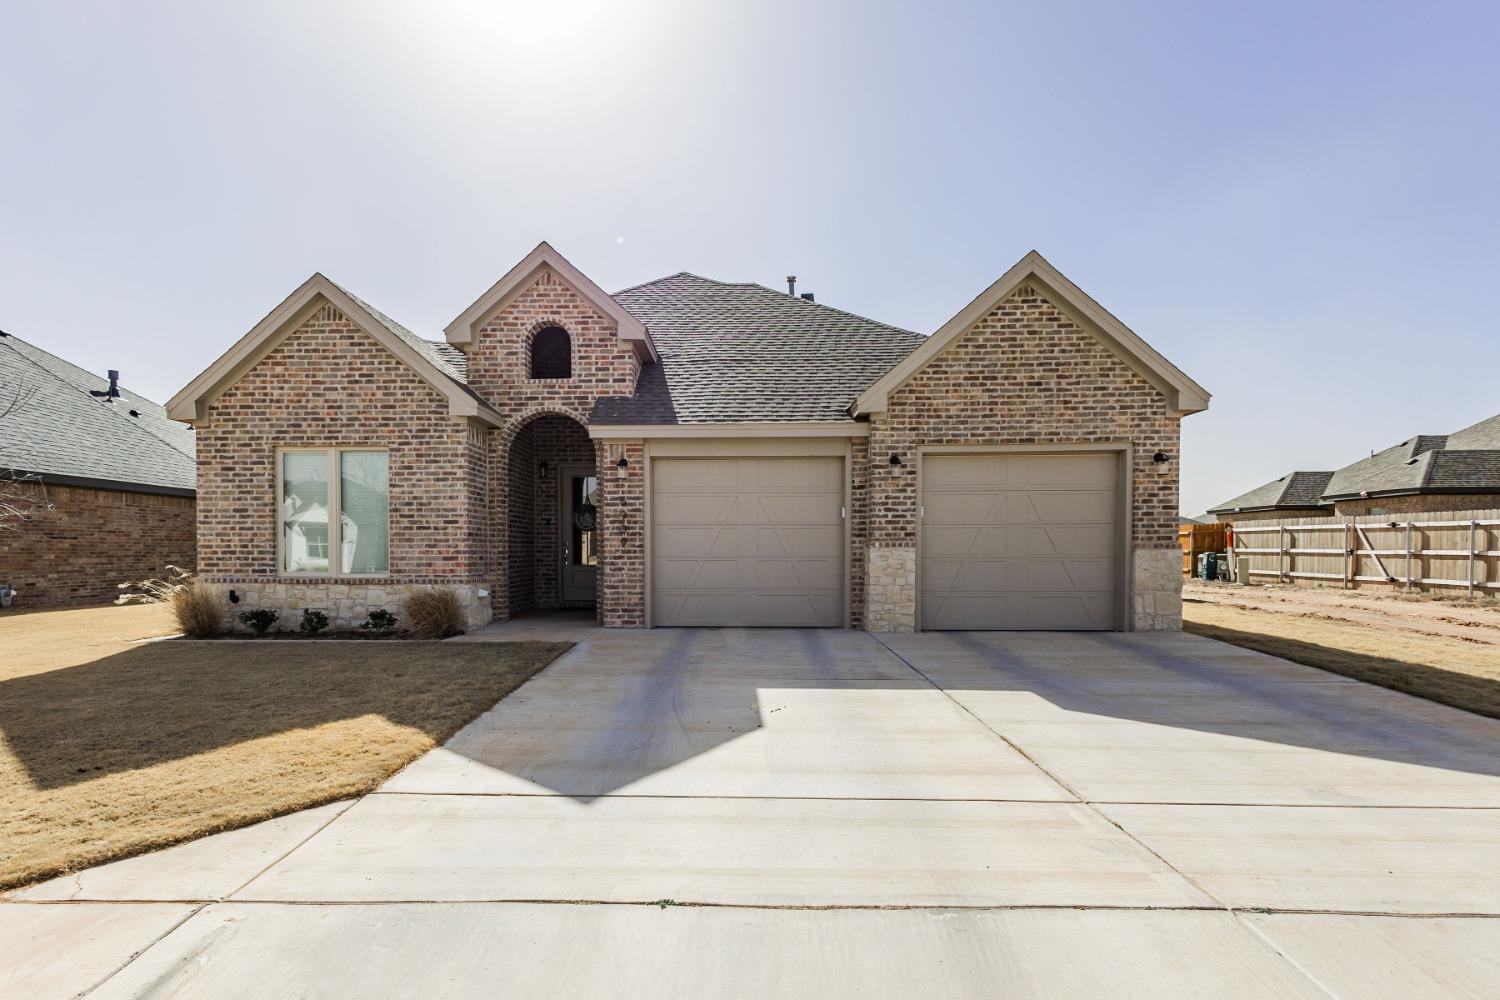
(113, 392)
(791, 284)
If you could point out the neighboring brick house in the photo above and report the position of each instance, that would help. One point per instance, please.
(695, 452)
(1427, 473)
(1296, 494)
(117, 473)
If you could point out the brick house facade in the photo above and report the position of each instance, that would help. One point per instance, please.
(524, 492)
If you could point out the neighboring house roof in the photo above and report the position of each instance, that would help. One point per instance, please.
(1184, 396)
(1466, 461)
(68, 436)
(743, 352)
(1293, 491)
(440, 365)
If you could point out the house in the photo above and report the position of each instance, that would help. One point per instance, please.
(698, 452)
(117, 472)
(1296, 494)
(1426, 473)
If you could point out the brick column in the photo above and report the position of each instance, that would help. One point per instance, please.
(622, 534)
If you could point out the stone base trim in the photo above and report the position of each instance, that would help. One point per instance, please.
(346, 602)
(891, 590)
(1156, 602)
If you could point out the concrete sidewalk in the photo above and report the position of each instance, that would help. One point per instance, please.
(820, 813)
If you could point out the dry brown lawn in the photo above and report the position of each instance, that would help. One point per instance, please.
(1447, 655)
(111, 747)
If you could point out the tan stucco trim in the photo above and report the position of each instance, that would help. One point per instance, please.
(769, 429)
(460, 332)
(1184, 396)
(191, 404)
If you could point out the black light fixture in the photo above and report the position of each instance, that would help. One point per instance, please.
(895, 459)
(542, 466)
(622, 463)
(1161, 458)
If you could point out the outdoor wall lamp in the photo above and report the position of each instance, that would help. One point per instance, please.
(622, 463)
(895, 460)
(1161, 459)
(542, 467)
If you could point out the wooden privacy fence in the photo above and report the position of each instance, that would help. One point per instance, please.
(1449, 549)
(1197, 538)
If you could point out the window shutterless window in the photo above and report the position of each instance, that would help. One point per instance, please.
(335, 511)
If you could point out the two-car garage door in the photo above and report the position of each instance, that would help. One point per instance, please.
(1008, 541)
(1019, 541)
(747, 541)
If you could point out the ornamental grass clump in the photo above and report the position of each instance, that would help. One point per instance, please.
(197, 607)
(434, 614)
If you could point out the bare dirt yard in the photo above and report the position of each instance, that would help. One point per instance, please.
(111, 746)
(1444, 650)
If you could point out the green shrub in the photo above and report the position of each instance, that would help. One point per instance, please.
(313, 621)
(380, 620)
(260, 620)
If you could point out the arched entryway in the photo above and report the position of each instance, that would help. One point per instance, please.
(551, 523)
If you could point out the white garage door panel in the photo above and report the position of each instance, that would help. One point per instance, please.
(1020, 541)
(747, 542)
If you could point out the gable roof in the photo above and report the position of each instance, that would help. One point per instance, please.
(517, 279)
(742, 352)
(1184, 396)
(68, 436)
(1466, 461)
(440, 365)
(1293, 491)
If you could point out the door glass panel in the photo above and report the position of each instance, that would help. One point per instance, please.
(585, 527)
(365, 521)
(304, 512)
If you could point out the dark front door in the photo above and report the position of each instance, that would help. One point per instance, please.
(580, 534)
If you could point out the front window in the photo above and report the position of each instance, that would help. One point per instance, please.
(344, 519)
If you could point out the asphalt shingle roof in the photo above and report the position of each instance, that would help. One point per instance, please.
(62, 431)
(1294, 490)
(1466, 460)
(744, 352)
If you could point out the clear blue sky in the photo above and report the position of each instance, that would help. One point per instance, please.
(1296, 203)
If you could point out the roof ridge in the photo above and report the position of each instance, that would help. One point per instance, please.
(85, 394)
(823, 305)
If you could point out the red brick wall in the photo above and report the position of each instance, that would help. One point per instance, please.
(92, 541)
(330, 384)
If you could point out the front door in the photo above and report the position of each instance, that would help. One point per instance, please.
(580, 533)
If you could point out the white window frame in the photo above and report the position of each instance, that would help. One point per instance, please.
(335, 512)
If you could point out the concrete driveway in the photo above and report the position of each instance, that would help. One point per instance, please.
(724, 813)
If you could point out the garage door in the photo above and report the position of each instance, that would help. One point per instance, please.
(1019, 541)
(747, 541)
